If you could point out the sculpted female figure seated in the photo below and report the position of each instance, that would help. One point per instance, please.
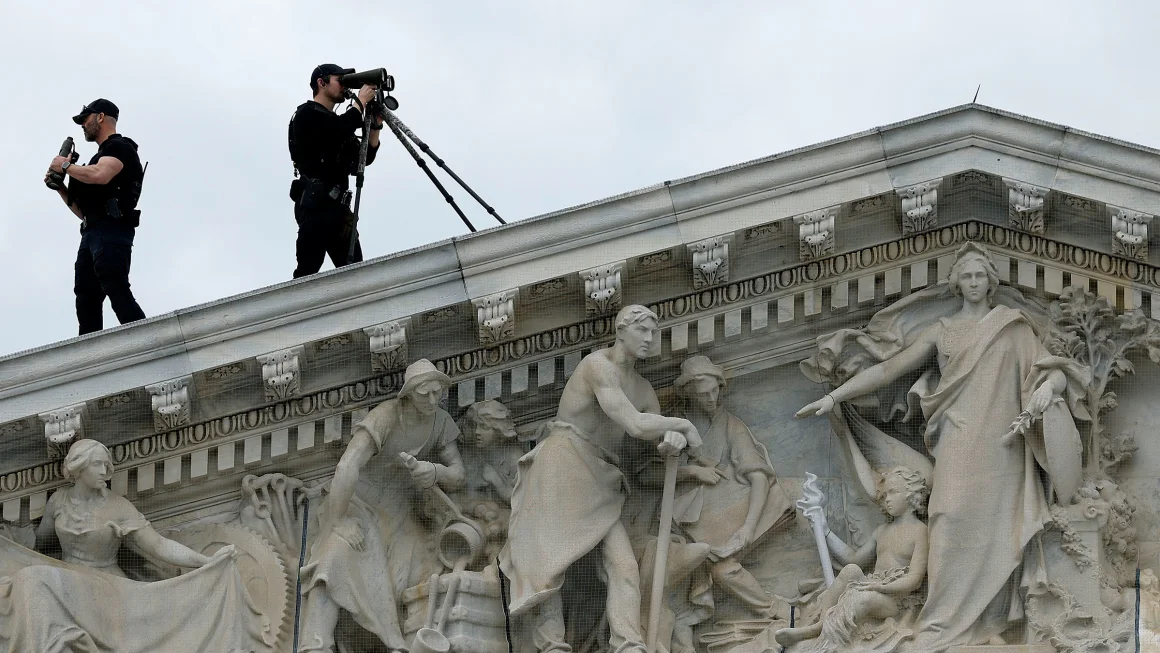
(85, 602)
(899, 550)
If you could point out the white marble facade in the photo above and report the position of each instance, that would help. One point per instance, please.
(474, 446)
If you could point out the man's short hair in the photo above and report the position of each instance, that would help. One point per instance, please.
(632, 314)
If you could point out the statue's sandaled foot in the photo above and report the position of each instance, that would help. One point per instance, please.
(790, 636)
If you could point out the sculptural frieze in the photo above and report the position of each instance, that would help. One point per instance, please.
(85, 602)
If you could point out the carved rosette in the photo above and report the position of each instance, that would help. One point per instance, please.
(281, 373)
(170, 403)
(710, 261)
(496, 315)
(603, 291)
(1130, 232)
(816, 232)
(388, 344)
(1026, 205)
(62, 427)
(919, 206)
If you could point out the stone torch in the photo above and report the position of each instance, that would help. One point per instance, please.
(811, 507)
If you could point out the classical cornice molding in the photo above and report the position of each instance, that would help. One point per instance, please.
(603, 288)
(919, 206)
(170, 402)
(62, 427)
(734, 310)
(710, 261)
(388, 344)
(1129, 232)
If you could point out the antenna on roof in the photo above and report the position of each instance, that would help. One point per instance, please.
(976, 99)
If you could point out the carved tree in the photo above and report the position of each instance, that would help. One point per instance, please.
(1085, 328)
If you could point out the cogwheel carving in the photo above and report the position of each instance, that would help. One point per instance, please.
(261, 566)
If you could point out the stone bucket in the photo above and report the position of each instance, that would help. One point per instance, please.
(474, 621)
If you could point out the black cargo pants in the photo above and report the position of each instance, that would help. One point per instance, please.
(102, 270)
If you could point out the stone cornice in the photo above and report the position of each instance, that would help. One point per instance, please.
(672, 215)
(795, 294)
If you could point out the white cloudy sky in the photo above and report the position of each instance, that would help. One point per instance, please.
(539, 105)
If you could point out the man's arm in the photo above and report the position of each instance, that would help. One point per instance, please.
(98, 174)
(357, 453)
(451, 475)
(604, 378)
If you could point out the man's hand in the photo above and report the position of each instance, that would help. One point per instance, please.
(366, 94)
(672, 443)
(422, 471)
(704, 475)
(57, 162)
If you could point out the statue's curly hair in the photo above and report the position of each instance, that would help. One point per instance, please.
(917, 490)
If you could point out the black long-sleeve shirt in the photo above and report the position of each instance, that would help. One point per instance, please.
(323, 144)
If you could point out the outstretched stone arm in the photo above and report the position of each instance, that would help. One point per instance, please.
(166, 550)
(646, 425)
(878, 376)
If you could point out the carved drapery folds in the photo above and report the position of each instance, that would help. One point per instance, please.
(710, 261)
(1026, 204)
(496, 315)
(603, 291)
(169, 401)
(62, 427)
(919, 206)
(388, 344)
(1130, 232)
(281, 373)
(816, 232)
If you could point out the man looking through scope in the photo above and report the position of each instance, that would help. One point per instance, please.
(325, 153)
(103, 194)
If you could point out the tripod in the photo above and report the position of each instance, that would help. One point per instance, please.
(378, 106)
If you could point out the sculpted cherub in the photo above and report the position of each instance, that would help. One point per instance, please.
(899, 551)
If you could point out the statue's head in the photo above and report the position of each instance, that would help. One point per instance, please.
(701, 382)
(903, 488)
(487, 422)
(637, 329)
(88, 463)
(973, 274)
(423, 386)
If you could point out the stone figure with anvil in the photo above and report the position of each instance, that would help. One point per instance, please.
(569, 492)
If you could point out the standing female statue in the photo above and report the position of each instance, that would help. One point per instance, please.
(980, 365)
(84, 603)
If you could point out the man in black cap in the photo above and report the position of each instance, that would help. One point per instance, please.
(103, 194)
(325, 151)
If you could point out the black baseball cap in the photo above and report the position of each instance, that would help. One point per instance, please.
(99, 105)
(325, 70)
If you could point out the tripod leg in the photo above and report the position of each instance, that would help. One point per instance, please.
(430, 175)
(398, 126)
(358, 183)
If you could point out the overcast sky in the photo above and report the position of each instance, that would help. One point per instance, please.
(538, 105)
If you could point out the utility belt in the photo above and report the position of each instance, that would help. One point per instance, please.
(311, 193)
(112, 214)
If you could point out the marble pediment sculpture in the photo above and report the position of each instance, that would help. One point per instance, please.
(84, 601)
(974, 361)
